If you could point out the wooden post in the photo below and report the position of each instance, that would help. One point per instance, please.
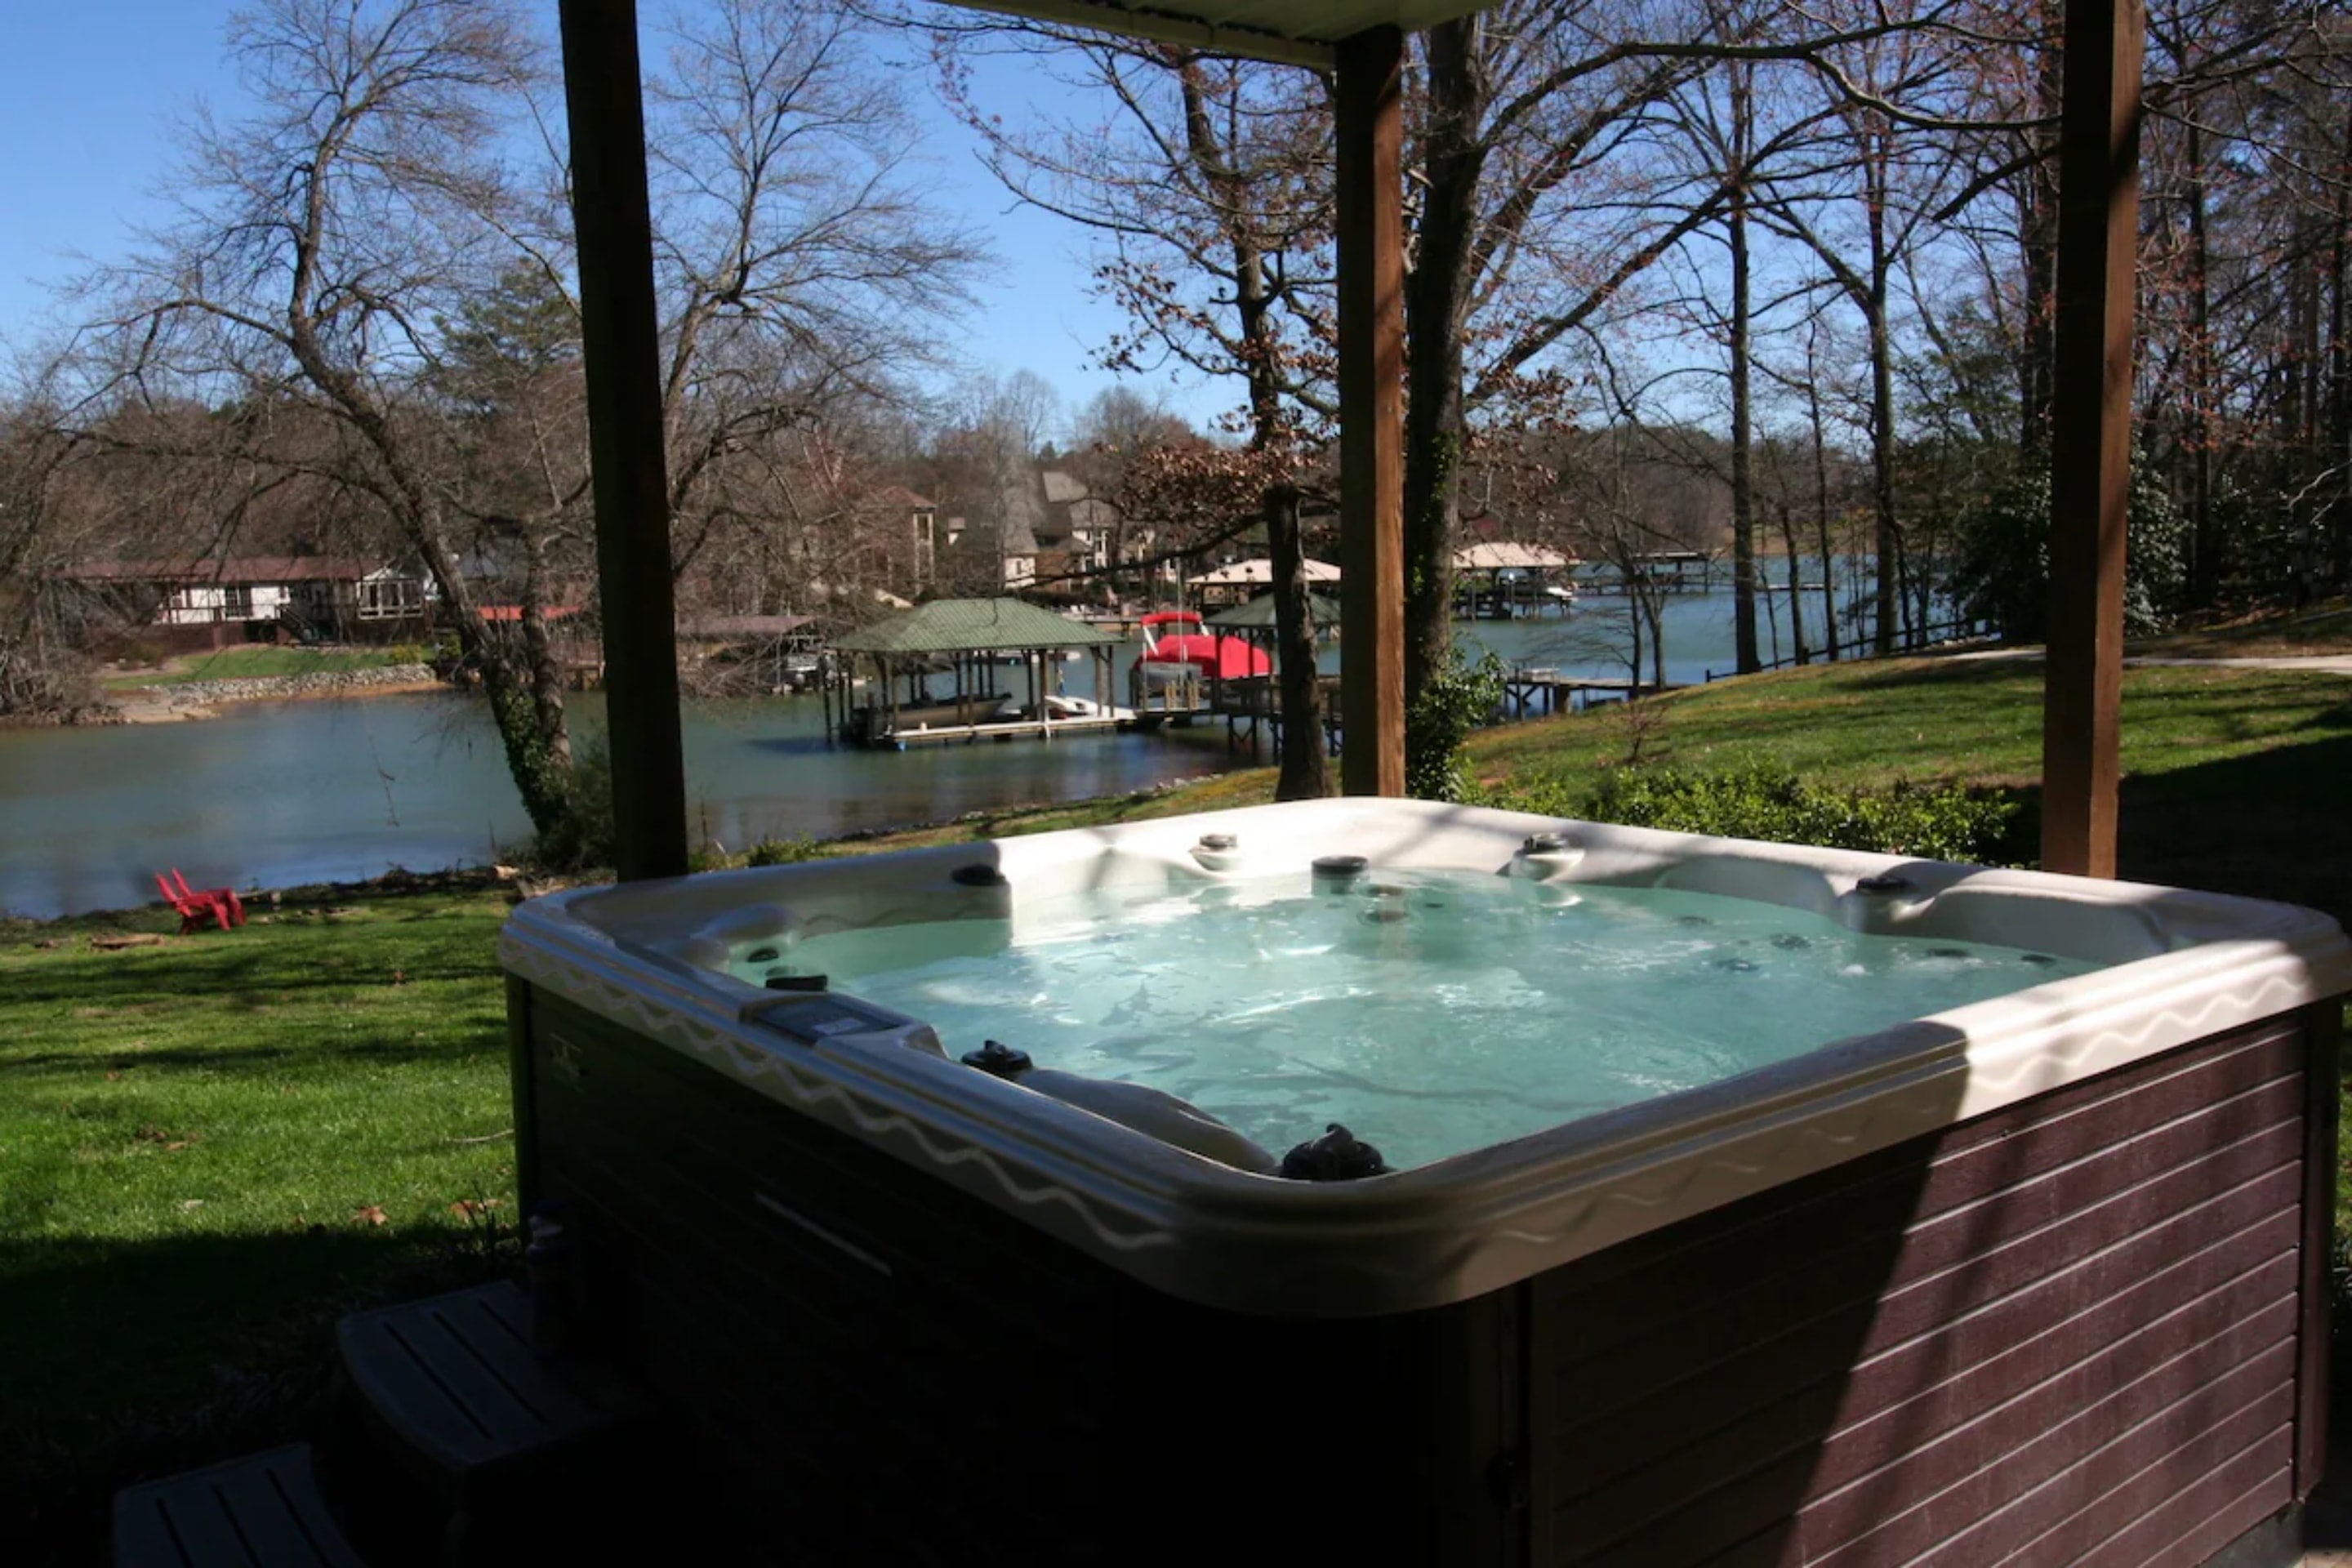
(620, 336)
(2090, 434)
(1372, 410)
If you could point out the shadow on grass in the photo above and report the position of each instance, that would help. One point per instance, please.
(130, 1360)
(139, 977)
(373, 1049)
(2276, 824)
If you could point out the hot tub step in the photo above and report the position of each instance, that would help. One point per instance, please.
(453, 1382)
(261, 1511)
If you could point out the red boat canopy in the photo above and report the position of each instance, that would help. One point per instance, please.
(1226, 659)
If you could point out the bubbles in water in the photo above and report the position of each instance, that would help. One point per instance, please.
(1432, 1012)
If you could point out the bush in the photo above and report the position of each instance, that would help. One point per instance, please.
(1930, 822)
(783, 851)
(1454, 701)
(583, 840)
(2002, 574)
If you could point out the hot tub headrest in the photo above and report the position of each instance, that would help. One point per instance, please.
(1139, 1107)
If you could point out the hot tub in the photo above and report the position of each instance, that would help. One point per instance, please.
(1645, 1241)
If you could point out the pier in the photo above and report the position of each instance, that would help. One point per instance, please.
(1540, 693)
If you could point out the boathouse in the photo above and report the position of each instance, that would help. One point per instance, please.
(939, 673)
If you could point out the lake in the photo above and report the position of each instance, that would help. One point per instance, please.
(277, 793)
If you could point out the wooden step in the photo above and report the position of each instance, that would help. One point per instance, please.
(261, 1511)
(453, 1380)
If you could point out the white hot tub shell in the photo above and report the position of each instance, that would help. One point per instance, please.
(2130, 1097)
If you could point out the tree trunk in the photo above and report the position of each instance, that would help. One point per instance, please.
(539, 758)
(1305, 767)
(2338, 454)
(1796, 586)
(1743, 488)
(1654, 607)
(1821, 517)
(1633, 665)
(546, 672)
(2204, 535)
(2038, 257)
(1435, 302)
(1882, 402)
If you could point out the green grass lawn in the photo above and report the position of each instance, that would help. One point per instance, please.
(196, 1138)
(253, 661)
(196, 1142)
(2234, 780)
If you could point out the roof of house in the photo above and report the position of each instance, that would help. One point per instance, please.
(1257, 573)
(1021, 519)
(1258, 613)
(1301, 32)
(229, 569)
(899, 495)
(972, 626)
(1503, 556)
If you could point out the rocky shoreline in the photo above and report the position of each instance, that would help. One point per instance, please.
(197, 699)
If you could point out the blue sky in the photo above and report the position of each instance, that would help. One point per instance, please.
(89, 92)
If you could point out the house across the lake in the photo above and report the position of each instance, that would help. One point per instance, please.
(213, 602)
(1046, 529)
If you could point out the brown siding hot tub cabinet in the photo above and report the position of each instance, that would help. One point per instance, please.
(2087, 1327)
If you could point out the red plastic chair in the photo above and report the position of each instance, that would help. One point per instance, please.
(218, 897)
(219, 906)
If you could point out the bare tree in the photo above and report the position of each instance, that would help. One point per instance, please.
(1210, 186)
(317, 245)
(387, 305)
(802, 264)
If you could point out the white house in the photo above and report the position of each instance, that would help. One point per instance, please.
(329, 595)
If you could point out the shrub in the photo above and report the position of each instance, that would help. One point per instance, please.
(1455, 701)
(583, 839)
(783, 851)
(2003, 572)
(1931, 822)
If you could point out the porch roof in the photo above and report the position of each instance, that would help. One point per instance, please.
(1299, 32)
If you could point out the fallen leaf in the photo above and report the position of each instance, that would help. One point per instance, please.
(176, 1144)
(114, 1078)
(399, 977)
(370, 1215)
(470, 1208)
(191, 1202)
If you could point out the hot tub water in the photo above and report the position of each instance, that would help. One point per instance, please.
(1431, 1011)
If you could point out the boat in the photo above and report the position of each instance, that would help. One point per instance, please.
(1061, 707)
(1171, 655)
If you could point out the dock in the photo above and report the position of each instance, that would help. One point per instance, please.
(904, 737)
(1540, 693)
